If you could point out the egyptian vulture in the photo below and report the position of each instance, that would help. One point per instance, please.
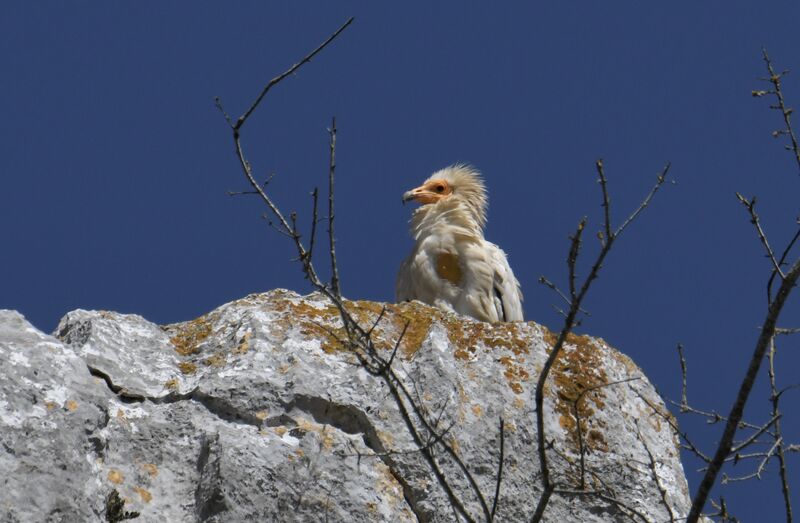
(452, 266)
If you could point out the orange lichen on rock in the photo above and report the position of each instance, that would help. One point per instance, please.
(115, 476)
(578, 377)
(189, 335)
(187, 367)
(151, 469)
(145, 495)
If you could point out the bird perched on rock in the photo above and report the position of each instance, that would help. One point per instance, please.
(452, 266)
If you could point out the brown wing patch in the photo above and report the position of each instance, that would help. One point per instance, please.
(447, 267)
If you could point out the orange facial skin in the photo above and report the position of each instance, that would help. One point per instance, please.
(431, 191)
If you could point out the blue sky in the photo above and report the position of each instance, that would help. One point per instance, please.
(116, 164)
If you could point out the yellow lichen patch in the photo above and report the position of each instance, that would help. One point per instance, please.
(145, 495)
(327, 439)
(151, 469)
(507, 336)
(244, 343)
(190, 335)
(417, 331)
(514, 373)
(120, 414)
(115, 476)
(187, 367)
(261, 415)
(596, 440)
(519, 403)
(171, 384)
(71, 405)
(50, 405)
(280, 430)
(477, 410)
(388, 486)
(454, 444)
(578, 377)
(217, 360)
(387, 438)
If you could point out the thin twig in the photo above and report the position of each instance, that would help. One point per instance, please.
(752, 438)
(775, 399)
(660, 179)
(569, 323)
(757, 474)
(242, 119)
(750, 205)
(782, 260)
(331, 239)
(499, 470)
(737, 410)
(666, 417)
(684, 400)
(314, 220)
(552, 286)
(606, 199)
(786, 112)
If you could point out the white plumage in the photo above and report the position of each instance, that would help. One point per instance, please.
(452, 266)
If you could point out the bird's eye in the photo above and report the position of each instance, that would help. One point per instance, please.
(440, 188)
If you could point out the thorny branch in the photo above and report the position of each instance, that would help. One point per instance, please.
(577, 297)
(786, 112)
(775, 397)
(767, 334)
(331, 238)
(357, 339)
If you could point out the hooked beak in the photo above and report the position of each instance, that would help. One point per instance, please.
(422, 195)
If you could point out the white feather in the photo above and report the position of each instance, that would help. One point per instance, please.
(485, 287)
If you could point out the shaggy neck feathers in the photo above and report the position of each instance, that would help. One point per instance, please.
(462, 212)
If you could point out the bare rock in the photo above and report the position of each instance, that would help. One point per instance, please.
(258, 411)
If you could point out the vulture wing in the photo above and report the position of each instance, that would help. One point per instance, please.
(507, 292)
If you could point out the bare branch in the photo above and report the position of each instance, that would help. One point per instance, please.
(314, 220)
(331, 238)
(724, 447)
(577, 297)
(689, 445)
(660, 179)
(759, 470)
(750, 206)
(753, 437)
(552, 286)
(786, 112)
(768, 329)
(782, 261)
(606, 200)
(684, 400)
(242, 119)
(499, 470)
(775, 397)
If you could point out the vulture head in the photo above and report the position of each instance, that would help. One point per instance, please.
(459, 185)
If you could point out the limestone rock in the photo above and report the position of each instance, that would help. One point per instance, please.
(257, 412)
